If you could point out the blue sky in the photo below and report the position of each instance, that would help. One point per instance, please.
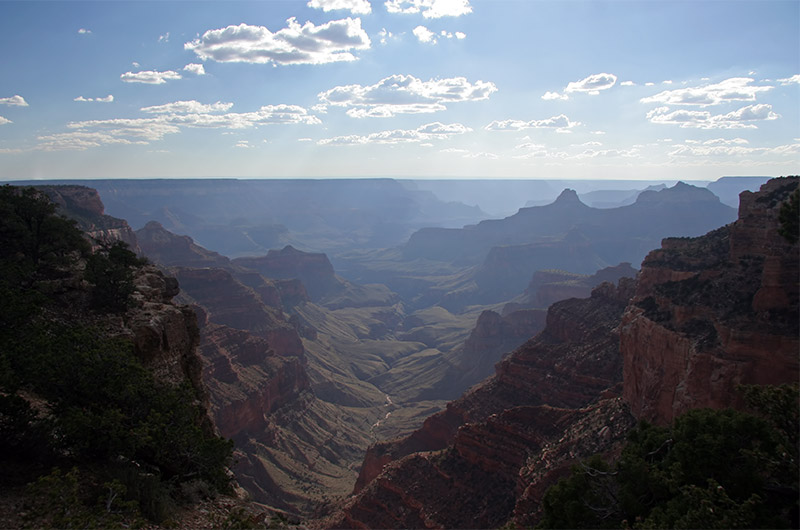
(400, 88)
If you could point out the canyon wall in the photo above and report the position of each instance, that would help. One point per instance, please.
(713, 312)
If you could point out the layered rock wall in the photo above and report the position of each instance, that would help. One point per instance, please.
(713, 312)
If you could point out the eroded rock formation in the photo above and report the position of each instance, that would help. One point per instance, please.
(714, 312)
(461, 469)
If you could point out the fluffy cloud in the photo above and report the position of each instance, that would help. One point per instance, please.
(3, 120)
(84, 31)
(430, 8)
(150, 77)
(742, 118)
(554, 95)
(733, 89)
(795, 79)
(561, 122)
(14, 101)
(424, 133)
(108, 99)
(358, 7)
(295, 44)
(425, 35)
(187, 107)
(195, 68)
(592, 84)
(405, 94)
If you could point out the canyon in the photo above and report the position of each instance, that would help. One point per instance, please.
(348, 377)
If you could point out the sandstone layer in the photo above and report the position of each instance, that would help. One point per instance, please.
(713, 312)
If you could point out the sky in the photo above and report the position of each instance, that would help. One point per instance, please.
(400, 88)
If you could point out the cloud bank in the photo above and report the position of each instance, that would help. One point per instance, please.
(357, 7)
(307, 44)
(430, 8)
(150, 77)
(405, 94)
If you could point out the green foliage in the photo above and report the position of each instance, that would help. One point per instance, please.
(72, 397)
(60, 500)
(710, 469)
(32, 235)
(789, 217)
(110, 271)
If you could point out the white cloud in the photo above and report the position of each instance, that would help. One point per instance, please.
(554, 95)
(592, 84)
(405, 94)
(424, 34)
(295, 44)
(82, 140)
(357, 7)
(424, 133)
(666, 82)
(108, 99)
(533, 150)
(454, 150)
(244, 144)
(150, 77)
(305, 140)
(14, 101)
(430, 8)
(627, 83)
(195, 68)
(608, 153)
(169, 119)
(385, 35)
(482, 154)
(187, 107)
(164, 38)
(733, 89)
(84, 31)
(742, 118)
(561, 122)
(795, 79)
(727, 148)
(3, 120)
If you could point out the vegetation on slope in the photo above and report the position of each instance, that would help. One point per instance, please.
(96, 437)
(709, 469)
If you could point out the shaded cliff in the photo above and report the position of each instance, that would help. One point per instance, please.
(101, 394)
(714, 312)
(84, 205)
(460, 470)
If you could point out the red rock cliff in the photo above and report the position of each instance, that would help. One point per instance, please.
(461, 469)
(714, 312)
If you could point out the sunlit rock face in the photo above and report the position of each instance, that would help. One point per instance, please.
(713, 312)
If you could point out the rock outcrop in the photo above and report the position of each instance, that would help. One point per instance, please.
(714, 312)
(247, 380)
(84, 205)
(461, 469)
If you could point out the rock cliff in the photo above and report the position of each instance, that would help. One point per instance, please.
(714, 312)
(461, 469)
(84, 205)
